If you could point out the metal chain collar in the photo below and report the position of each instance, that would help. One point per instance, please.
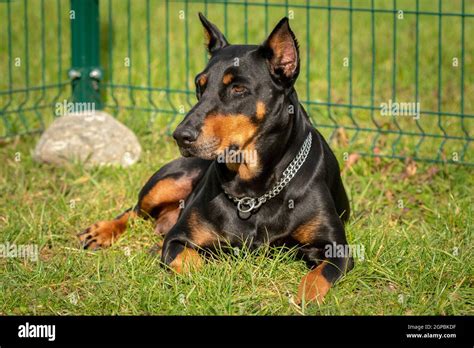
(248, 204)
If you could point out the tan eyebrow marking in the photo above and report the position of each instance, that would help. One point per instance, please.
(227, 78)
(202, 80)
(261, 109)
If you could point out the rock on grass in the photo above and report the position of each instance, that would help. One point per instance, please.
(92, 138)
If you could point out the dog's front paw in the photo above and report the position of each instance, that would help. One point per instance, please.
(313, 287)
(100, 235)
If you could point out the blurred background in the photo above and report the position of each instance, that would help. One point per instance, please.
(355, 55)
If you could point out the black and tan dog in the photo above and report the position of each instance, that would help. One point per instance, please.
(254, 169)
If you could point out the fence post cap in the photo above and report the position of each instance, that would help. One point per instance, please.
(74, 74)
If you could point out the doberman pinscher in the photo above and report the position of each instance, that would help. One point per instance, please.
(254, 170)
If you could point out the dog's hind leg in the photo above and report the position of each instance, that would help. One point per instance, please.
(161, 199)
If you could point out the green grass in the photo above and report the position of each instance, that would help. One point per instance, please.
(418, 260)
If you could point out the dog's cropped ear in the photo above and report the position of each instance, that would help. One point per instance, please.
(281, 51)
(215, 39)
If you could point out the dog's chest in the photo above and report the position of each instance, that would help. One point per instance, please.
(272, 224)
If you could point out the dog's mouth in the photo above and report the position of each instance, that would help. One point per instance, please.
(185, 152)
(208, 150)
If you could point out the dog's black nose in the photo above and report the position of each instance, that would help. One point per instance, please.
(185, 136)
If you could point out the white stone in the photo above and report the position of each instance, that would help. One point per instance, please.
(92, 138)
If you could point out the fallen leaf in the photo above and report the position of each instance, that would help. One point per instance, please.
(389, 195)
(351, 160)
(377, 159)
(430, 173)
(410, 167)
(341, 137)
(81, 180)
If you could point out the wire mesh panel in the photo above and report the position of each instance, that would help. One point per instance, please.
(387, 78)
(34, 58)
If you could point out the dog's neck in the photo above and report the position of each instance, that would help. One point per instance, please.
(275, 149)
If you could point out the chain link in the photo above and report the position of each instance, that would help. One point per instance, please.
(248, 204)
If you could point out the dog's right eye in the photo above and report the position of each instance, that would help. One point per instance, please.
(201, 83)
(199, 90)
(238, 90)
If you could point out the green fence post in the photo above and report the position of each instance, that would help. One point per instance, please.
(85, 72)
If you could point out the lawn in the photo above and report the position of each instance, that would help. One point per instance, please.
(413, 219)
(415, 227)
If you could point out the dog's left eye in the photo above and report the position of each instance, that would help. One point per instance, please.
(238, 90)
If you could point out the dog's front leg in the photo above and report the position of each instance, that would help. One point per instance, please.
(181, 257)
(316, 283)
(324, 247)
(191, 234)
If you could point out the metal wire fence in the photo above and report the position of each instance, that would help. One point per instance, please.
(391, 78)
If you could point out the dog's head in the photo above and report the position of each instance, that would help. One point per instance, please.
(241, 91)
